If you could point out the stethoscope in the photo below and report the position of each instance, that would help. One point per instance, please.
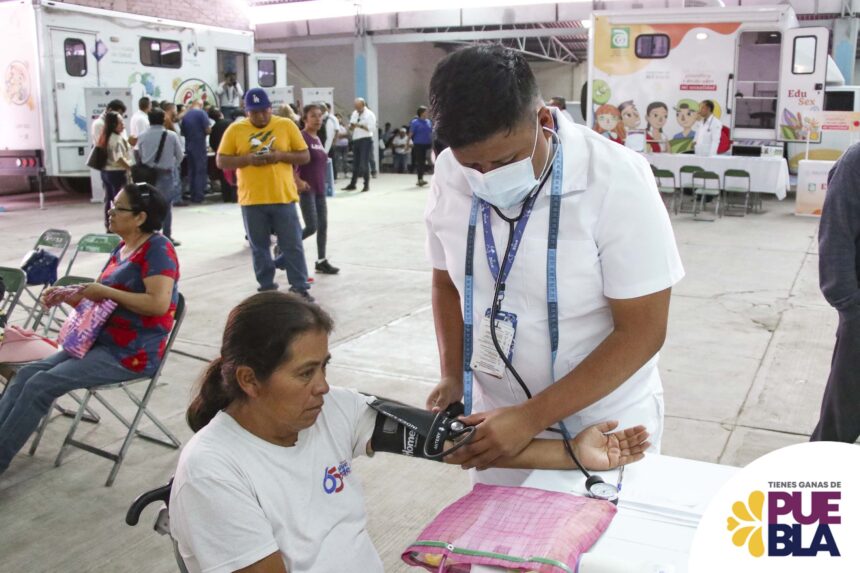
(595, 484)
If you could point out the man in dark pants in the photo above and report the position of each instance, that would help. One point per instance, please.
(195, 128)
(362, 123)
(839, 273)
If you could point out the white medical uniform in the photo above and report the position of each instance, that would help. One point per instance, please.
(615, 241)
(708, 136)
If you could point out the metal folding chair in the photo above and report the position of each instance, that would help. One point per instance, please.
(95, 243)
(56, 242)
(162, 520)
(740, 186)
(15, 281)
(687, 172)
(141, 402)
(703, 187)
(669, 190)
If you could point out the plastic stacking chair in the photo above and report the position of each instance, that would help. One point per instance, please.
(56, 242)
(739, 186)
(15, 281)
(142, 403)
(706, 184)
(162, 520)
(686, 173)
(95, 243)
(669, 190)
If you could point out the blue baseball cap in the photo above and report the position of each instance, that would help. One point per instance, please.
(257, 99)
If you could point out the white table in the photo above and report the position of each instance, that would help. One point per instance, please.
(767, 174)
(662, 500)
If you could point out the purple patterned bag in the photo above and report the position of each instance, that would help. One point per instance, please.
(82, 327)
(517, 528)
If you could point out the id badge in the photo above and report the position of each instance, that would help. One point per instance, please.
(485, 358)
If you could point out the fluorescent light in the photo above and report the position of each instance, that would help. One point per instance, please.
(586, 24)
(702, 36)
(322, 9)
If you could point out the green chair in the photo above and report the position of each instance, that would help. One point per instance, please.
(56, 242)
(706, 184)
(688, 171)
(669, 190)
(15, 281)
(739, 187)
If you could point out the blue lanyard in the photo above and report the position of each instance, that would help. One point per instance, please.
(490, 243)
(492, 259)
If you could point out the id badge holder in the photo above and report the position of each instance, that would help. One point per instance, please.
(485, 357)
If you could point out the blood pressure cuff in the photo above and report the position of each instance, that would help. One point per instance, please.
(410, 431)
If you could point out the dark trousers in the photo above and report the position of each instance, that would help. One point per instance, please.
(339, 159)
(113, 182)
(315, 214)
(419, 157)
(361, 150)
(197, 173)
(840, 408)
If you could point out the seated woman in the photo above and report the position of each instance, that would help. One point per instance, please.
(265, 486)
(141, 277)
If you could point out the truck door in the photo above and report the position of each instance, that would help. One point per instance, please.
(268, 70)
(803, 70)
(75, 67)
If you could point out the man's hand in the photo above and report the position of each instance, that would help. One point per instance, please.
(598, 448)
(258, 160)
(302, 185)
(446, 392)
(504, 432)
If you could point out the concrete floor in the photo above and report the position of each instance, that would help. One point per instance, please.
(744, 365)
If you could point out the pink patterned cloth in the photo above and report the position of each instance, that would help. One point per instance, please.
(83, 325)
(59, 295)
(518, 528)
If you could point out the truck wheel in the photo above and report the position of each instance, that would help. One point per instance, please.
(76, 185)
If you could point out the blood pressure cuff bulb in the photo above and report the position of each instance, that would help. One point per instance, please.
(410, 431)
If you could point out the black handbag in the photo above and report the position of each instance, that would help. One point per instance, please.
(143, 173)
(98, 158)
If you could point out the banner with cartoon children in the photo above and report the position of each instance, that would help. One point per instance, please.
(653, 78)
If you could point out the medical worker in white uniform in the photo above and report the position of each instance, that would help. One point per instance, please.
(616, 263)
(708, 130)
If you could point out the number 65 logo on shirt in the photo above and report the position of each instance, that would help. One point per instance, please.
(333, 477)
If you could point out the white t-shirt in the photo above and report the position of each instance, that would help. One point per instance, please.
(139, 123)
(332, 127)
(400, 144)
(615, 241)
(237, 498)
(708, 136)
(229, 96)
(367, 119)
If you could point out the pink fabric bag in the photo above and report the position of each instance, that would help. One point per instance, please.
(518, 528)
(20, 345)
(82, 327)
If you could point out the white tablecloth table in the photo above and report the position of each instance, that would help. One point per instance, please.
(662, 500)
(767, 174)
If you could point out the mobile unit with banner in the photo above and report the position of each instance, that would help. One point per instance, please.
(650, 70)
(53, 52)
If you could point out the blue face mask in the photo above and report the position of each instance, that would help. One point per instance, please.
(509, 185)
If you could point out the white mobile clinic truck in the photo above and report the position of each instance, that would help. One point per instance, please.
(650, 69)
(55, 54)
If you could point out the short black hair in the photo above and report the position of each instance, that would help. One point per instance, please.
(709, 104)
(116, 105)
(214, 113)
(144, 198)
(156, 116)
(559, 102)
(143, 103)
(421, 109)
(479, 91)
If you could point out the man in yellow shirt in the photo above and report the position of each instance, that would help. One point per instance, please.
(263, 148)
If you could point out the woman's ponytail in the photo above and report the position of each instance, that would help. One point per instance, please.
(212, 396)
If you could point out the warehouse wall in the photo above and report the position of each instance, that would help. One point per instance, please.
(223, 13)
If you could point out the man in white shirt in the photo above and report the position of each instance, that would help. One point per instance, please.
(362, 123)
(613, 265)
(140, 120)
(229, 94)
(708, 131)
(331, 126)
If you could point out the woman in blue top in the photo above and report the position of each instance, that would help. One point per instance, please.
(141, 277)
(421, 134)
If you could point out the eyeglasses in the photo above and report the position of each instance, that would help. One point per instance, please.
(113, 207)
